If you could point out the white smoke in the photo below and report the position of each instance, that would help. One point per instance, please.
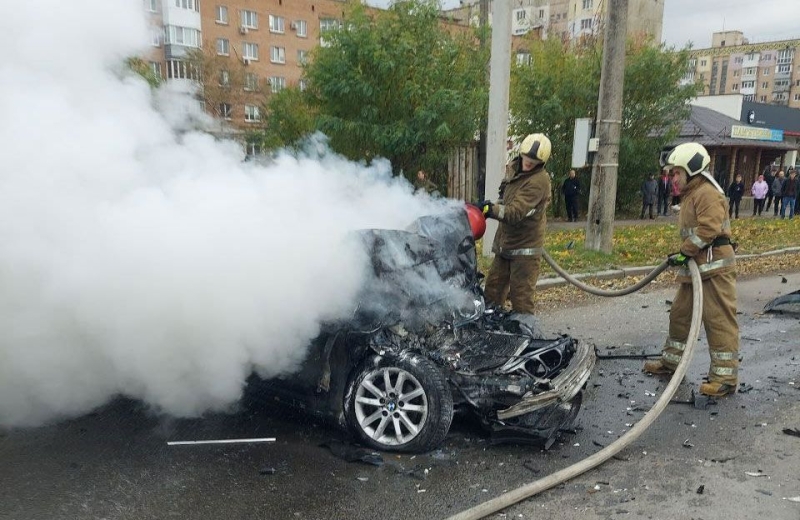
(139, 261)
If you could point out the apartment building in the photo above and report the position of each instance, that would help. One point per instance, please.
(262, 42)
(568, 19)
(762, 72)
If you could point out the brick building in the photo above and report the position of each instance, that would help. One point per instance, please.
(764, 72)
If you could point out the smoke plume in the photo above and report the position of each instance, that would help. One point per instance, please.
(139, 260)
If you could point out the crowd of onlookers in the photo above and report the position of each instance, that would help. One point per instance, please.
(779, 191)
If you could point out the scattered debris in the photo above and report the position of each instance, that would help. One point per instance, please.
(352, 453)
(764, 492)
(362, 479)
(267, 471)
(528, 464)
(792, 499)
(784, 280)
(750, 339)
(758, 473)
(794, 432)
(687, 444)
(701, 489)
(744, 388)
(649, 393)
(219, 441)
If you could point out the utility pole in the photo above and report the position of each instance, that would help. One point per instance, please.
(497, 122)
(484, 30)
(603, 192)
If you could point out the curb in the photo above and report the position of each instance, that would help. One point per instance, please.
(611, 274)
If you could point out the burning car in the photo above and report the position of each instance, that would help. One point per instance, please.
(422, 345)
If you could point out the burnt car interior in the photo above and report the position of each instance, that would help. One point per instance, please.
(422, 346)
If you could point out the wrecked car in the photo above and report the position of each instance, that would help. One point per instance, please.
(422, 345)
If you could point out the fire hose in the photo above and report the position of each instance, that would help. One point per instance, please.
(528, 490)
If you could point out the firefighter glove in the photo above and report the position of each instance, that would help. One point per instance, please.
(676, 259)
(487, 207)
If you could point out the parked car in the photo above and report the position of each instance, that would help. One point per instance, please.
(422, 345)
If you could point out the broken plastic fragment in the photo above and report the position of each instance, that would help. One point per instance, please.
(755, 474)
(792, 499)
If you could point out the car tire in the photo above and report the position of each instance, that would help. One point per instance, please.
(399, 404)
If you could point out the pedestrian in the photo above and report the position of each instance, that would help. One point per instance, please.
(649, 195)
(735, 193)
(759, 191)
(522, 214)
(571, 190)
(676, 194)
(768, 178)
(425, 184)
(706, 233)
(777, 191)
(664, 193)
(789, 194)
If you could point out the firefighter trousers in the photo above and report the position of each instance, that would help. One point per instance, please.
(719, 320)
(513, 279)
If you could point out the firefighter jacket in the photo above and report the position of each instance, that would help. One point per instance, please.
(705, 230)
(522, 214)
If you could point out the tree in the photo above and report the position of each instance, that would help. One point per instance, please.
(562, 84)
(392, 84)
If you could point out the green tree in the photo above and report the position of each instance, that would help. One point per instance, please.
(562, 84)
(394, 84)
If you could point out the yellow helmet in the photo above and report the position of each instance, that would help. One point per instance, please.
(536, 146)
(692, 157)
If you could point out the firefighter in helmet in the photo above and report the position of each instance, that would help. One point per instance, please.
(706, 233)
(521, 212)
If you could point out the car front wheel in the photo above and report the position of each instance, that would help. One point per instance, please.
(400, 404)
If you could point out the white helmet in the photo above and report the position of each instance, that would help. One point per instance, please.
(537, 147)
(693, 158)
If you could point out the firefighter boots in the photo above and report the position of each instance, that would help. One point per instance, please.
(715, 389)
(657, 367)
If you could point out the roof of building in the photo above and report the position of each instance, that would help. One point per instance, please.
(713, 129)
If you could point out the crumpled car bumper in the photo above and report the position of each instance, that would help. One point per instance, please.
(563, 388)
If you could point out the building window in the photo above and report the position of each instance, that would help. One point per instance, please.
(250, 81)
(797, 97)
(523, 58)
(797, 83)
(302, 28)
(249, 19)
(155, 68)
(765, 84)
(749, 97)
(250, 51)
(223, 47)
(587, 4)
(785, 56)
(693, 62)
(151, 5)
(303, 85)
(276, 24)
(183, 36)
(277, 54)
(251, 114)
(541, 14)
(586, 23)
(735, 87)
(748, 84)
(738, 59)
(735, 73)
(224, 78)
(156, 34)
(763, 99)
(222, 14)
(225, 111)
(782, 69)
(520, 15)
(193, 5)
(749, 71)
(326, 25)
(703, 63)
(782, 83)
(765, 71)
(277, 83)
(766, 57)
(302, 57)
(177, 69)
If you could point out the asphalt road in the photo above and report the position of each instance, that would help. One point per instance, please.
(115, 463)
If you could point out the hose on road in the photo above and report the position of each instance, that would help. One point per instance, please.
(512, 497)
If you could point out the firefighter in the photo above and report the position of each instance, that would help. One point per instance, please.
(521, 212)
(706, 233)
